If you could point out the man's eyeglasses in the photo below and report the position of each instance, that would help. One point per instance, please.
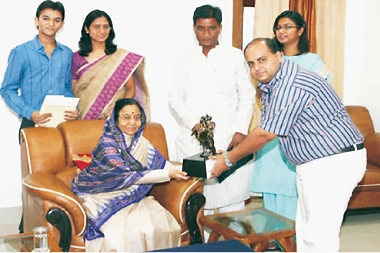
(285, 27)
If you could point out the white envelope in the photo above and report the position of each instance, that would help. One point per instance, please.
(209, 166)
(57, 105)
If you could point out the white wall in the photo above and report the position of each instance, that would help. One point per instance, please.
(362, 82)
(248, 25)
(159, 30)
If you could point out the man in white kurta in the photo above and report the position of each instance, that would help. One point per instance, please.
(214, 79)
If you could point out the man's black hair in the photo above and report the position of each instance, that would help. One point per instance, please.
(207, 11)
(57, 6)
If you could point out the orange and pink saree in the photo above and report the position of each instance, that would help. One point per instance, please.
(102, 82)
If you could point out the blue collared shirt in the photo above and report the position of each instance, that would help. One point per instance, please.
(31, 75)
(306, 114)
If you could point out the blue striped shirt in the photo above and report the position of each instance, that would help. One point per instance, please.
(31, 75)
(306, 114)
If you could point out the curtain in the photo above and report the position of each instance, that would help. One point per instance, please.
(266, 12)
(328, 23)
(308, 11)
(330, 28)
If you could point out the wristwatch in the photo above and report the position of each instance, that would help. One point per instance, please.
(227, 160)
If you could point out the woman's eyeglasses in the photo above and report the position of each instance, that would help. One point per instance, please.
(130, 118)
(285, 27)
(104, 27)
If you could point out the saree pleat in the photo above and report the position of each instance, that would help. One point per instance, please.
(142, 226)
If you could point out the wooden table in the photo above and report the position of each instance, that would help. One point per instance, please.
(24, 243)
(254, 227)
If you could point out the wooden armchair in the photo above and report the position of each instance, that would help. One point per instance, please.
(367, 192)
(48, 169)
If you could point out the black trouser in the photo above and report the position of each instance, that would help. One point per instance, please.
(24, 124)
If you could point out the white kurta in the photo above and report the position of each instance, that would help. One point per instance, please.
(218, 85)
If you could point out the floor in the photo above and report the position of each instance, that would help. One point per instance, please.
(9, 220)
(360, 231)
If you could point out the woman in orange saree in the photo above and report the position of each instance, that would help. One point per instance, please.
(102, 73)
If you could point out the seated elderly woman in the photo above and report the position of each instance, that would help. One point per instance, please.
(114, 187)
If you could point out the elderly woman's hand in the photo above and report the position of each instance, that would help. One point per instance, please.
(178, 174)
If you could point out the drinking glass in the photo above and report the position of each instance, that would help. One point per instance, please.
(40, 239)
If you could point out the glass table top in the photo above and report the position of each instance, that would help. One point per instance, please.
(23, 243)
(17, 243)
(255, 221)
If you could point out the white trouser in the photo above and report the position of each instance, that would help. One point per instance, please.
(234, 207)
(324, 189)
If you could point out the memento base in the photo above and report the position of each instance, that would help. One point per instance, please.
(195, 165)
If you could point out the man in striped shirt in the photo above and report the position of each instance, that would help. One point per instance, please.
(315, 132)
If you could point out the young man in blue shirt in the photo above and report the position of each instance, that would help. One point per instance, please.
(37, 68)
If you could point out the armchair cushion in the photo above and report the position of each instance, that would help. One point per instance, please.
(67, 175)
(372, 144)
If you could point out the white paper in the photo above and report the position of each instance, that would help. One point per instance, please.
(57, 105)
(209, 166)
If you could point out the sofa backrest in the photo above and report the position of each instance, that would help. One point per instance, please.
(52, 149)
(81, 137)
(361, 118)
(155, 133)
(42, 149)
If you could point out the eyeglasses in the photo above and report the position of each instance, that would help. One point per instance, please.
(130, 118)
(104, 27)
(286, 27)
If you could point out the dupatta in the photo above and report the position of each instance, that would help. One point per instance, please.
(113, 172)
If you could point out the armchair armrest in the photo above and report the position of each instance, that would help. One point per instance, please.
(184, 200)
(372, 144)
(173, 195)
(63, 208)
(48, 187)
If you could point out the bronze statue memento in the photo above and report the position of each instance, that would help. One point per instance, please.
(196, 165)
(205, 135)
